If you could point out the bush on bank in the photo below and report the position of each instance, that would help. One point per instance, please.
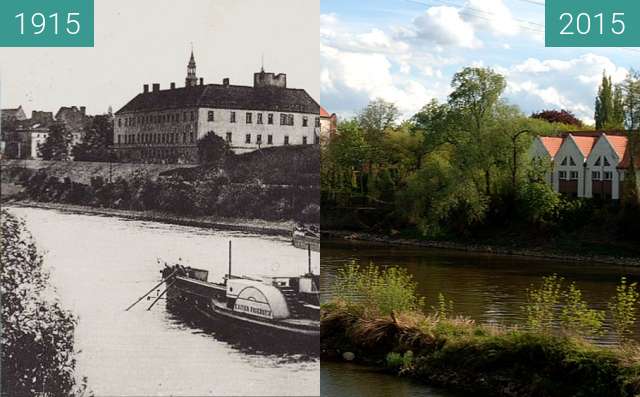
(37, 333)
(451, 351)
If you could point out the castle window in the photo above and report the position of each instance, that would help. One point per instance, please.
(269, 139)
(259, 139)
(249, 118)
(210, 115)
(286, 139)
(270, 118)
(304, 140)
(290, 119)
(229, 136)
(283, 119)
(247, 138)
(305, 121)
(232, 119)
(317, 122)
(259, 121)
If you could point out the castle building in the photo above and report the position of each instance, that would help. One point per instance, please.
(165, 125)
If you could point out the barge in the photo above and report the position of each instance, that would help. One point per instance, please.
(288, 306)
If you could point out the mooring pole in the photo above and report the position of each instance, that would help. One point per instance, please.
(229, 275)
(309, 251)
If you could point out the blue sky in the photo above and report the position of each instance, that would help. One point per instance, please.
(406, 52)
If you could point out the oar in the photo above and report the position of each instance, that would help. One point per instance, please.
(160, 296)
(150, 291)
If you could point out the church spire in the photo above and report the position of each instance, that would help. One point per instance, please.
(191, 80)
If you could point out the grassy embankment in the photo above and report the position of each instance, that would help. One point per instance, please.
(275, 185)
(392, 331)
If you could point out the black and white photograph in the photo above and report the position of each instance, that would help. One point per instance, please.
(161, 204)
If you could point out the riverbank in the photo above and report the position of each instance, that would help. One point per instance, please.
(459, 355)
(245, 225)
(482, 248)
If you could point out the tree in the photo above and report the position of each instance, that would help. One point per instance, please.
(56, 146)
(212, 149)
(609, 106)
(37, 333)
(97, 141)
(376, 118)
(631, 99)
(558, 116)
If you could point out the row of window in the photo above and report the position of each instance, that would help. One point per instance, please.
(600, 161)
(248, 139)
(157, 119)
(285, 119)
(156, 138)
(595, 175)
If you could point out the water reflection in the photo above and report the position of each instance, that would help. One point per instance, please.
(100, 265)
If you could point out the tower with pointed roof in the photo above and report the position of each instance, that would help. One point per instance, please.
(191, 80)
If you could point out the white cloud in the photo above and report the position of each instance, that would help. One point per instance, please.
(491, 15)
(443, 25)
(537, 84)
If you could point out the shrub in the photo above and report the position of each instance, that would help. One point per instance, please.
(542, 302)
(37, 333)
(577, 317)
(386, 291)
(623, 307)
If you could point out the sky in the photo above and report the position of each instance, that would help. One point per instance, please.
(407, 51)
(149, 41)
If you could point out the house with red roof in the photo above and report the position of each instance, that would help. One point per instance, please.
(328, 125)
(586, 163)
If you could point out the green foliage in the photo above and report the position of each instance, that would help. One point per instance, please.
(402, 362)
(624, 308)
(576, 316)
(37, 333)
(538, 203)
(57, 146)
(542, 303)
(444, 309)
(385, 291)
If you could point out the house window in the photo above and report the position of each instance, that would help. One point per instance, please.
(305, 121)
(317, 122)
(229, 136)
(608, 175)
(304, 140)
(564, 161)
(571, 162)
(269, 139)
(259, 139)
(247, 138)
(286, 139)
(233, 117)
(562, 174)
(259, 121)
(249, 118)
(573, 175)
(290, 119)
(283, 119)
(270, 118)
(595, 175)
(606, 162)
(597, 163)
(119, 122)
(210, 115)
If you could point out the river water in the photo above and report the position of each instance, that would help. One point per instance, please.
(488, 288)
(100, 265)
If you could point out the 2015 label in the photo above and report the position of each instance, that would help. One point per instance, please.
(583, 23)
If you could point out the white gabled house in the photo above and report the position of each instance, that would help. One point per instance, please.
(588, 164)
(604, 178)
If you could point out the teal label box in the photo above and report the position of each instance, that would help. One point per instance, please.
(46, 23)
(592, 23)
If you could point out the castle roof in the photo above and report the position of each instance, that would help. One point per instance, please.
(220, 96)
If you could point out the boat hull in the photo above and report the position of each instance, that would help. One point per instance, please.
(208, 300)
